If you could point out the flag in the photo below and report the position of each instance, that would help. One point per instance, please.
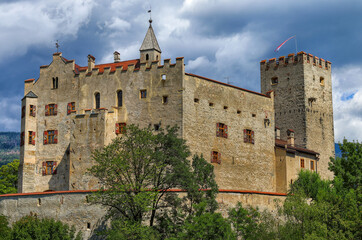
(277, 49)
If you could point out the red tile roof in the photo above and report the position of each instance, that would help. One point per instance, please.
(112, 66)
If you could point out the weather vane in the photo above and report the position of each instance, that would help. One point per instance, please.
(149, 11)
(57, 46)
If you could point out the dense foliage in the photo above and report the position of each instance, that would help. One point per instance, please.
(31, 227)
(138, 169)
(9, 177)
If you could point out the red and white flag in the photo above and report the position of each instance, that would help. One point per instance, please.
(277, 49)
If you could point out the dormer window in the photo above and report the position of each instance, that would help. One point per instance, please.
(55, 82)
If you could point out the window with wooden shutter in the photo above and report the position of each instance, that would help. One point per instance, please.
(120, 128)
(69, 108)
(33, 138)
(302, 163)
(49, 168)
(249, 136)
(32, 111)
(312, 165)
(221, 130)
(30, 137)
(55, 109)
(23, 112)
(215, 157)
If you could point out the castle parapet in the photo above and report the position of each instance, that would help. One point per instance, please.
(300, 57)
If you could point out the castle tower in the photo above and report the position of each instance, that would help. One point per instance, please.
(303, 102)
(150, 50)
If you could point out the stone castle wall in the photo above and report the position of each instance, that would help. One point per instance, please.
(73, 208)
(243, 165)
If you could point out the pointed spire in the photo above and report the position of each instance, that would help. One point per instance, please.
(150, 41)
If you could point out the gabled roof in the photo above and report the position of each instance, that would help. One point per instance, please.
(284, 144)
(150, 41)
(30, 95)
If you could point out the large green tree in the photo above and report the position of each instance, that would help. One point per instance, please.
(9, 177)
(138, 173)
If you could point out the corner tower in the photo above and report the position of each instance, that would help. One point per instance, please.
(150, 50)
(303, 102)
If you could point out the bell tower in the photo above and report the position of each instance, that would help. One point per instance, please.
(150, 50)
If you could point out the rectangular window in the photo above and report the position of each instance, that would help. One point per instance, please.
(215, 157)
(312, 165)
(51, 109)
(70, 107)
(164, 99)
(32, 111)
(49, 168)
(274, 80)
(249, 136)
(50, 137)
(120, 128)
(221, 130)
(302, 163)
(31, 138)
(143, 93)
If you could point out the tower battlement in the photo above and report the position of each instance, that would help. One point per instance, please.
(294, 59)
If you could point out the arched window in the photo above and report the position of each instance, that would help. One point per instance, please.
(119, 98)
(147, 57)
(55, 82)
(98, 100)
(321, 81)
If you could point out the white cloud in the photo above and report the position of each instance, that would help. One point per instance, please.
(40, 22)
(347, 81)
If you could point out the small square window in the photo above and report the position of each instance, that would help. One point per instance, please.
(163, 77)
(156, 127)
(253, 115)
(51, 109)
(196, 100)
(121, 128)
(164, 99)
(274, 80)
(143, 93)
(226, 107)
(211, 104)
(49, 168)
(238, 111)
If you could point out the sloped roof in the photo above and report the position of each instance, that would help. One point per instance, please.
(284, 144)
(150, 41)
(30, 95)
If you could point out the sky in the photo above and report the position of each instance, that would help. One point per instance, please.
(224, 40)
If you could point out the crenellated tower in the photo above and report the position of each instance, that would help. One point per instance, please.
(303, 101)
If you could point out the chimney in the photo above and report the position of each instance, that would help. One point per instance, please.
(290, 134)
(91, 62)
(117, 57)
(277, 133)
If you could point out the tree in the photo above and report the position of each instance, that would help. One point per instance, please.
(9, 177)
(348, 168)
(4, 227)
(31, 227)
(137, 169)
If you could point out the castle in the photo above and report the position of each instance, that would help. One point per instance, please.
(256, 141)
